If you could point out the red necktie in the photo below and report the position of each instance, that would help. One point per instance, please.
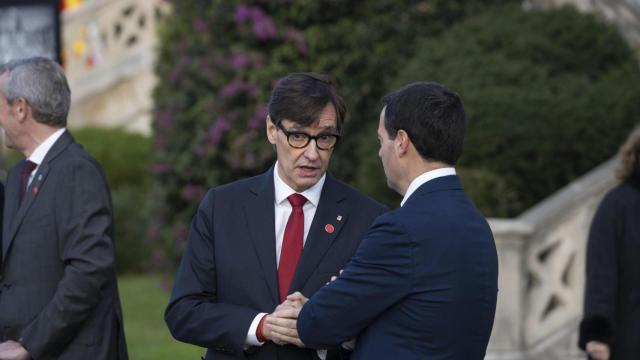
(291, 245)
(27, 169)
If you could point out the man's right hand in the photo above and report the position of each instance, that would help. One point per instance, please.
(598, 350)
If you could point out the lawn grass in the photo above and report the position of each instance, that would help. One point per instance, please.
(143, 304)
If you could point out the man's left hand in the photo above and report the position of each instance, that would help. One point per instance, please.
(12, 350)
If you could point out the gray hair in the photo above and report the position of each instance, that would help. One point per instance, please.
(42, 83)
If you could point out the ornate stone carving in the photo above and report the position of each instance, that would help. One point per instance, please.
(108, 56)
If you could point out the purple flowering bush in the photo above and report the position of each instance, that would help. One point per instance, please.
(217, 63)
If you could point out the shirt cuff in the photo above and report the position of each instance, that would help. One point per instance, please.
(252, 340)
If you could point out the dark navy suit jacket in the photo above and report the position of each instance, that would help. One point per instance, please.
(58, 288)
(228, 273)
(422, 284)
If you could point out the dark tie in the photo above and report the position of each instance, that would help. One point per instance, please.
(291, 245)
(27, 168)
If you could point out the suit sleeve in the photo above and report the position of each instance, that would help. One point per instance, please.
(194, 314)
(83, 221)
(602, 277)
(378, 276)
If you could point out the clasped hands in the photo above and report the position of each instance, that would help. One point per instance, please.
(281, 325)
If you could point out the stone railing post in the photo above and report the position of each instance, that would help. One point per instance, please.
(508, 333)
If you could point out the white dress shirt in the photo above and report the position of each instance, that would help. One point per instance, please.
(37, 156)
(429, 175)
(283, 209)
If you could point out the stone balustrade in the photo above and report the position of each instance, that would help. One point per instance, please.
(108, 56)
(542, 258)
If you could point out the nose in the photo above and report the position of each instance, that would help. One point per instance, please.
(311, 152)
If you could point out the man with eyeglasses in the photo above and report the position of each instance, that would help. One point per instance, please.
(257, 240)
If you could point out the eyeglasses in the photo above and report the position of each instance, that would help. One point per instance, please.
(300, 140)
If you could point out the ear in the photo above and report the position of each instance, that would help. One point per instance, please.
(271, 130)
(21, 109)
(401, 143)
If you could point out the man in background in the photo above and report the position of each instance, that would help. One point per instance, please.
(58, 291)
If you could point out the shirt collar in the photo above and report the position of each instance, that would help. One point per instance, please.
(282, 190)
(429, 175)
(37, 156)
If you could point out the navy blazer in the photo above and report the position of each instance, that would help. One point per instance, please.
(228, 273)
(422, 284)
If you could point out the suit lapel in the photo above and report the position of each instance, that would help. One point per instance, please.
(260, 218)
(31, 193)
(326, 225)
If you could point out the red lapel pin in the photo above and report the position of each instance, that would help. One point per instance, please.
(34, 191)
(329, 228)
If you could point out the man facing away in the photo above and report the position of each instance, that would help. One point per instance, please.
(255, 241)
(58, 290)
(423, 282)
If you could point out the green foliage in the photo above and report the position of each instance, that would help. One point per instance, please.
(125, 159)
(131, 217)
(8, 160)
(549, 96)
(489, 191)
(143, 303)
(217, 62)
(125, 155)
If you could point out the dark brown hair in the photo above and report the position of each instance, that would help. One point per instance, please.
(301, 97)
(432, 115)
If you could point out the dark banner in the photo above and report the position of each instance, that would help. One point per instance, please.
(29, 28)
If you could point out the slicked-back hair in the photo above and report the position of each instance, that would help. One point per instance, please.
(432, 115)
(301, 97)
(42, 83)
